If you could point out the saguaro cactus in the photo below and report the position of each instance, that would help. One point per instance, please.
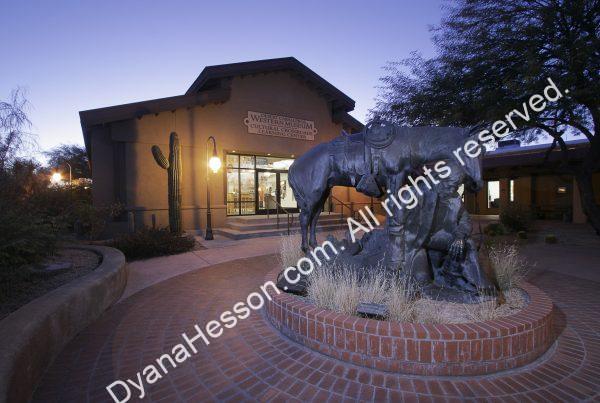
(173, 167)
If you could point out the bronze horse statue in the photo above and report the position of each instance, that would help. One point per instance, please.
(377, 159)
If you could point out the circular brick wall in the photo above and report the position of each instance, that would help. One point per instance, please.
(422, 349)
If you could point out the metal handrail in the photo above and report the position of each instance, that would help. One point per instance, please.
(290, 216)
(350, 207)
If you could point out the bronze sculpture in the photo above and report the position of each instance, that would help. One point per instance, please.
(431, 241)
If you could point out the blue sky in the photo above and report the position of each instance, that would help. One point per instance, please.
(77, 55)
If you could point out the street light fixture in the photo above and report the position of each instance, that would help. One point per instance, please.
(214, 163)
(70, 174)
(56, 178)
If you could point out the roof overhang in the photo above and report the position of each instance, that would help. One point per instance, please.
(212, 76)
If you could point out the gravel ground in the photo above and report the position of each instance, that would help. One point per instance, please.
(41, 282)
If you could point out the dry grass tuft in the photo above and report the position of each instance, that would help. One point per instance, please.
(515, 299)
(337, 288)
(334, 288)
(402, 301)
(375, 289)
(509, 267)
(484, 309)
(289, 250)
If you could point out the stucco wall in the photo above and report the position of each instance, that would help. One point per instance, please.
(145, 183)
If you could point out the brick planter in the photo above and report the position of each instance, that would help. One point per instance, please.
(422, 349)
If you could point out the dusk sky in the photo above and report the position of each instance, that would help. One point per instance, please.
(77, 55)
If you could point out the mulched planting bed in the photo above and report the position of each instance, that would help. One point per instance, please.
(49, 275)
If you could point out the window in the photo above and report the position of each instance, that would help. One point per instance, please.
(240, 184)
(493, 192)
(511, 190)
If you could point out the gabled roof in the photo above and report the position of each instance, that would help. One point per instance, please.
(212, 86)
(211, 76)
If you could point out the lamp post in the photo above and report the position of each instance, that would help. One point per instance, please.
(70, 174)
(57, 177)
(214, 163)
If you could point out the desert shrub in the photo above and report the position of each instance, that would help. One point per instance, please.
(289, 250)
(150, 242)
(515, 217)
(508, 265)
(494, 229)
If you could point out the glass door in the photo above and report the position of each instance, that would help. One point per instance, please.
(266, 191)
(273, 188)
(286, 196)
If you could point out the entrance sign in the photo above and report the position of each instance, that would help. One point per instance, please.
(280, 126)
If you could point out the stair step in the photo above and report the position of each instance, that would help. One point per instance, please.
(272, 223)
(261, 219)
(244, 234)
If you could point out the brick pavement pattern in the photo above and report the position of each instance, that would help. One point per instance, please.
(254, 362)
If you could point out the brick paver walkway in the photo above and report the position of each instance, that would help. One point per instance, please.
(253, 362)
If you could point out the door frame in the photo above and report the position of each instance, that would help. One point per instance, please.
(277, 172)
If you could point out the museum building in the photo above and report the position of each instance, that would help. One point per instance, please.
(262, 114)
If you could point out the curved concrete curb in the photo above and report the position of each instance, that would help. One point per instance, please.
(32, 336)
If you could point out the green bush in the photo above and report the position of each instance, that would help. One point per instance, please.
(551, 238)
(515, 217)
(494, 229)
(150, 242)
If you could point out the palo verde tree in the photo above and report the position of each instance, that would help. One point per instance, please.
(492, 55)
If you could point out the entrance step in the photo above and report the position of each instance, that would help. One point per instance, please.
(262, 226)
(259, 223)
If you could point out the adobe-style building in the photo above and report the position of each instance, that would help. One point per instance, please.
(262, 114)
(531, 177)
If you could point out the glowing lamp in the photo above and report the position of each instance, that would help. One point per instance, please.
(214, 163)
(56, 177)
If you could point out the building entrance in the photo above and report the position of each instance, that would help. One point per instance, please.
(274, 190)
(258, 184)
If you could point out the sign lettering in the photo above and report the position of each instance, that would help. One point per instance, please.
(280, 126)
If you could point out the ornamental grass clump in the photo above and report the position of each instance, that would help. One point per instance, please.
(509, 267)
(401, 301)
(375, 288)
(338, 288)
(289, 251)
(335, 288)
(484, 308)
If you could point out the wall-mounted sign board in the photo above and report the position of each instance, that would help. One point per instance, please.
(280, 126)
